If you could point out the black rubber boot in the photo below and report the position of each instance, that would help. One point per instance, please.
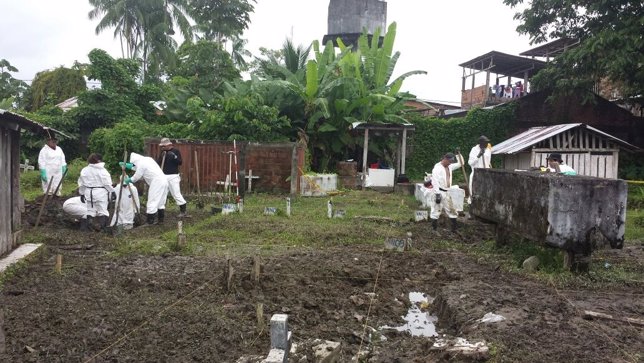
(150, 218)
(161, 215)
(434, 224)
(103, 221)
(182, 210)
(83, 225)
(90, 223)
(454, 224)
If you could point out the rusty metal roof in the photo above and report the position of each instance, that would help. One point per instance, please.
(505, 64)
(551, 49)
(25, 123)
(535, 135)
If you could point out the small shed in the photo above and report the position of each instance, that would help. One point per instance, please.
(11, 201)
(587, 150)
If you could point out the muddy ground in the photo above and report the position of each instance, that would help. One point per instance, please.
(174, 308)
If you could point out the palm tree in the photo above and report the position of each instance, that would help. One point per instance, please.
(144, 27)
(238, 52)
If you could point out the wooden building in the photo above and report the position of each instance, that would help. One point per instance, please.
(586, 149)
(11, 201)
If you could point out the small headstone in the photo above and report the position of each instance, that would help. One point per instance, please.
(339, 213)
(228, 208)
(421, 215)
(396, 244)
(531, 264)
(270, 211)
(288, 207)
(327, 351)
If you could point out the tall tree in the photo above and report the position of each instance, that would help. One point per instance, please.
(145, 27)
(54, 86)
(219, 19)
(611, 43)
(11, 89)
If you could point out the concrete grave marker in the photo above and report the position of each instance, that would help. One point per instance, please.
(288, 206)
(397, 244)
(270, 211)
(228, 208)
(421, 215)
(339, 213)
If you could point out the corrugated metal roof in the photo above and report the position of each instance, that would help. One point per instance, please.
(26, 123)
(535, 135)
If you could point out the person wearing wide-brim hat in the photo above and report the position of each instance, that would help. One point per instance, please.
(480, 157)
(52, 165)
(441, 182)
(170, 158)
(557, 165)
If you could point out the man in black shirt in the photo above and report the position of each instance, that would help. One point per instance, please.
(170, 159)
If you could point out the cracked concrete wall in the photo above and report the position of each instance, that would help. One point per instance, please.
(575, 213)
(351, 16)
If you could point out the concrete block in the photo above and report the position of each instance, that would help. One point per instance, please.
(279, 331)
(276, 356)
(327, 351)
(18, 254)
(531, 264)
(568, 212)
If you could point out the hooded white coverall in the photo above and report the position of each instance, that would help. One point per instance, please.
(129, 196)
(75, 208)
(441, 182)
(52, 161)
(148, 170)
(485, 161)
(95, 183)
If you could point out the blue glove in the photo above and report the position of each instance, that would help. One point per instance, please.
(127, 166)
(127, 180)
(43, 175)
(64, 168)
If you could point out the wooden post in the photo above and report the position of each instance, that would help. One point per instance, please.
(197, 169)
(257, 267)
(294, 170)
(260, 316)
(181, 237)
(403, 153)
(229, 274)
(365, 152)
(59, 264)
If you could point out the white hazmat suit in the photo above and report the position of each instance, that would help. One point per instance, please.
(95, 183)
(148, 170)
(75, 207)
(128, 197)
(52, 162)
(475, 162)
(441, 183)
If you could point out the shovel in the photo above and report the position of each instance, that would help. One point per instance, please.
(138, 220)
(117, 229)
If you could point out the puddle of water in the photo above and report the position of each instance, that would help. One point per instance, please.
(418, 323)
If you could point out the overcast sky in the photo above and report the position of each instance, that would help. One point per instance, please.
(434, 36)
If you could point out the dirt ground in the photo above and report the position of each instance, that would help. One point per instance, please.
(174, 308)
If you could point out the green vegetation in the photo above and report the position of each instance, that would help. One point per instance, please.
(307, 227)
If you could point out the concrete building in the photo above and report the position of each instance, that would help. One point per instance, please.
(348, 18)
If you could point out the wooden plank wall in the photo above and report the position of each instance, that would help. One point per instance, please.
(6, 186)
(16, 198)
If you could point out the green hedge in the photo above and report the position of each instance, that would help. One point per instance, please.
(434, 137)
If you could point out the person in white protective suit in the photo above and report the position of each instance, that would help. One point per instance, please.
(52, 164)
(441, 182)
(480, 157)
(75, 207)
(170, 160)
(95, 188)
(147, 169)
(128, 198)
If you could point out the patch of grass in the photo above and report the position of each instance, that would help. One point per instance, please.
(31, 185)
(634, 225)
(370, 218)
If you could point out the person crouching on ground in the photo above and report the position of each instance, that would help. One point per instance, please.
(95, 188)
(147, 169)
(170, 160)
(441, 182)
(125, 201)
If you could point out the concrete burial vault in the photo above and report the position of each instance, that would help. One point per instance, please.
(575, 213)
